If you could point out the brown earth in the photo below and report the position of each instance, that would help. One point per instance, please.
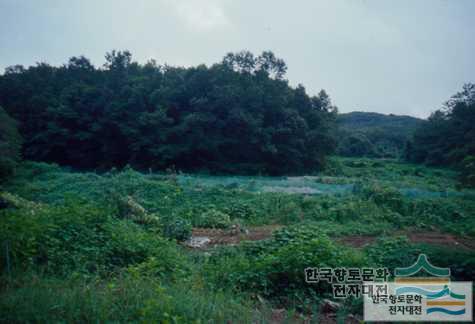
(434, 237)
(236, 236)
(357, 241)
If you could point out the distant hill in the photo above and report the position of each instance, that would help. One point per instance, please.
(373, 134)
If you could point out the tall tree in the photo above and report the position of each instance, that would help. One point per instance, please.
(239, 115)
(10, 145)
(449, 136)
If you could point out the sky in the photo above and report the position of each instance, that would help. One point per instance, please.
(405, 57)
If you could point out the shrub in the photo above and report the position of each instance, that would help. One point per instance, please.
(30, 169)
(128, 208)
(467, 174)
(177, 228)
(381, 195)
(334, 167)
(275, 267)
(80, 237)
(392, 252)
(128, 244)
(10, 145)
(214, 219)
(241, 210)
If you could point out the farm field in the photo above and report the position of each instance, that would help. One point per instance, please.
(88, 247)
(228, 162)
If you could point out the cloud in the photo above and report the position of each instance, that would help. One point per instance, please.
(200, 16)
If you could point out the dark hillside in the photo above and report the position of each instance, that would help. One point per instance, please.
(236, 116)
(373, 134)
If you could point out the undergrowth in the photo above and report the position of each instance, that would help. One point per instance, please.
(87, 247)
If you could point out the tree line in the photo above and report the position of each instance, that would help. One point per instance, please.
(239, 115)
(448, 138)
(374, 135)
(10, 145)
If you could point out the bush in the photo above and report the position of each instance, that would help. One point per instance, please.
(128, 208)
(467, 174)
(356, 144)
(213, 219)
(241, 210)
(275, 268)
(30, 169)
(381, 195)
(10, 145)
(177, 228)
(334, 167)
(392, 252)
(80, 237)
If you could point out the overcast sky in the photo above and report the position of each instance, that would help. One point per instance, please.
(401, 57)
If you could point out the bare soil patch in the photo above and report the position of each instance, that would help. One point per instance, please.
(233, 237)
(258, 233)
(436, 238)
(357, 241)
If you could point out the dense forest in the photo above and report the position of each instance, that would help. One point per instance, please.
(237, 116)
(449, 135)
(10, 145)
(374, 135)
(448, 138)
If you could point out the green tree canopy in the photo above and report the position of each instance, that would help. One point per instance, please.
(236, 116)
(10, 144)
(449, 136)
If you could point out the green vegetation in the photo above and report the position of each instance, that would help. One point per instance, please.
(374, 135)
(237, 116)
(467, 174)
(448, 139)
(128, 297)
(10, 145)
(107, 247)
(273, 268)
(97, 224)
(449, 136)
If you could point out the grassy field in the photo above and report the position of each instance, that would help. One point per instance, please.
(87, 247)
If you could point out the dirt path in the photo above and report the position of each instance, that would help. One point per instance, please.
(435, 238)
(236, 236)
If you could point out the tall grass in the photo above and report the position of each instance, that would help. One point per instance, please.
(87, 247)
(124, 298)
